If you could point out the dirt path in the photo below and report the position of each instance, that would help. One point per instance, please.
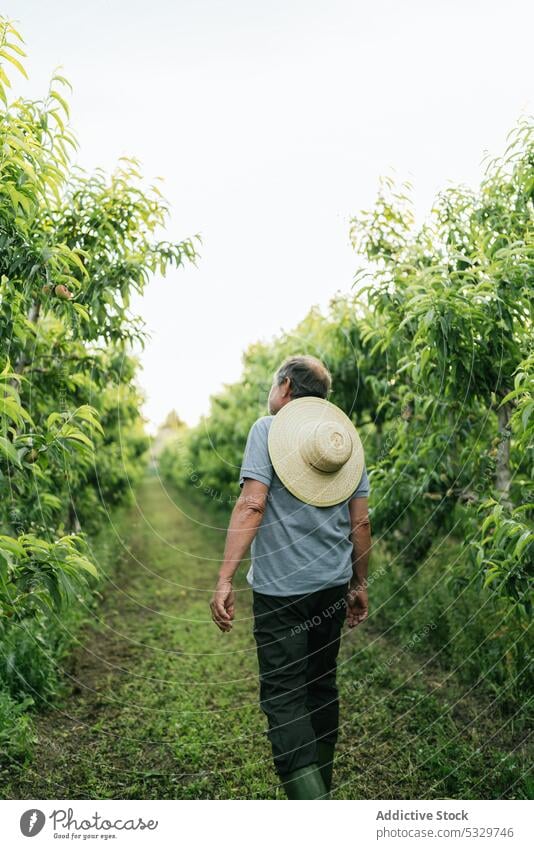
(164, 706)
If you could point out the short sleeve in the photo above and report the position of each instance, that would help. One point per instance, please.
(363, 489)
(256, 460)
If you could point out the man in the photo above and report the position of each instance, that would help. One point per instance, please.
(303, 509)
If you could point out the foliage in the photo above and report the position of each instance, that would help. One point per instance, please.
(432, 358)
(74, 247)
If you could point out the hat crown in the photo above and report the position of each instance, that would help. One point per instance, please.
(327, 446)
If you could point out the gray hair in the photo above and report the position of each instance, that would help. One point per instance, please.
(307, 375)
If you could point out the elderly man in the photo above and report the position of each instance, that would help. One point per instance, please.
(303, 510)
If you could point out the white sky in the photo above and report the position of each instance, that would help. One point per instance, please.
(271, 123)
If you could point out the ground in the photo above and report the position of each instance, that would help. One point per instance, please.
(161, 705)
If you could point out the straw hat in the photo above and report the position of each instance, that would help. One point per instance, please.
(316, 451)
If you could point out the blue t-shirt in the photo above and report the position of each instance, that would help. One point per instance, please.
(298, 548)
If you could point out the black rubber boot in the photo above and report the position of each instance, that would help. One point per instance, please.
(325, 757)
(304, 783)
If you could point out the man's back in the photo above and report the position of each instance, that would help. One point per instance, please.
(298, 548)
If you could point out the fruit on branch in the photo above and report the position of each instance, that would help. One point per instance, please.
(62, 292)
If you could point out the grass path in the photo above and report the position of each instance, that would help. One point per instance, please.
(161, 705)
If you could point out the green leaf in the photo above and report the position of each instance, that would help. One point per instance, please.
(56, 95)
(491, 576)
(526, 414)
(53, 418)
(11, 545)
(81, 310)
(50, 500)
(78, 436)
(3, 569)
(62, 80)
(51, 583)
(83, 563)
(9, 451)
(15, 47)
(525, 538)
(74, 256)
(89, 414)
(489, 520)
(14, 62)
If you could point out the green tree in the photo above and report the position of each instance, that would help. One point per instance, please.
(431, 356)
(73, 248)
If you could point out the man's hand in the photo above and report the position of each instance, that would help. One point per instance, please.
(357, 606)
(222, 604)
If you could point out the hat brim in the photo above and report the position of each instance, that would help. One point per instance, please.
(308, 484)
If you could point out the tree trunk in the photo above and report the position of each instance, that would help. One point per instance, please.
(73, 520)
(503, 476)
(33, 316)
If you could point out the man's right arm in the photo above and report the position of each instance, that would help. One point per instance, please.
(360, 536)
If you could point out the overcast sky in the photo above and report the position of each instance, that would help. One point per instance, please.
(271, 123)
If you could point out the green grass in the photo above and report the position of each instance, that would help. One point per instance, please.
(159, 704)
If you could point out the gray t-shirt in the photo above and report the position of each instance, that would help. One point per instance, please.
(298, 548)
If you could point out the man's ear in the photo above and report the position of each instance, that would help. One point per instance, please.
(286, 392)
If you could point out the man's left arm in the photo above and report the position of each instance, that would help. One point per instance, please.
(245, 520)
(360, 534)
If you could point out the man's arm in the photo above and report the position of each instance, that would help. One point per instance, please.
(244, 522)
(360, 535)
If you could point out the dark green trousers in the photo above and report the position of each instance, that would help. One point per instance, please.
(297, 639)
